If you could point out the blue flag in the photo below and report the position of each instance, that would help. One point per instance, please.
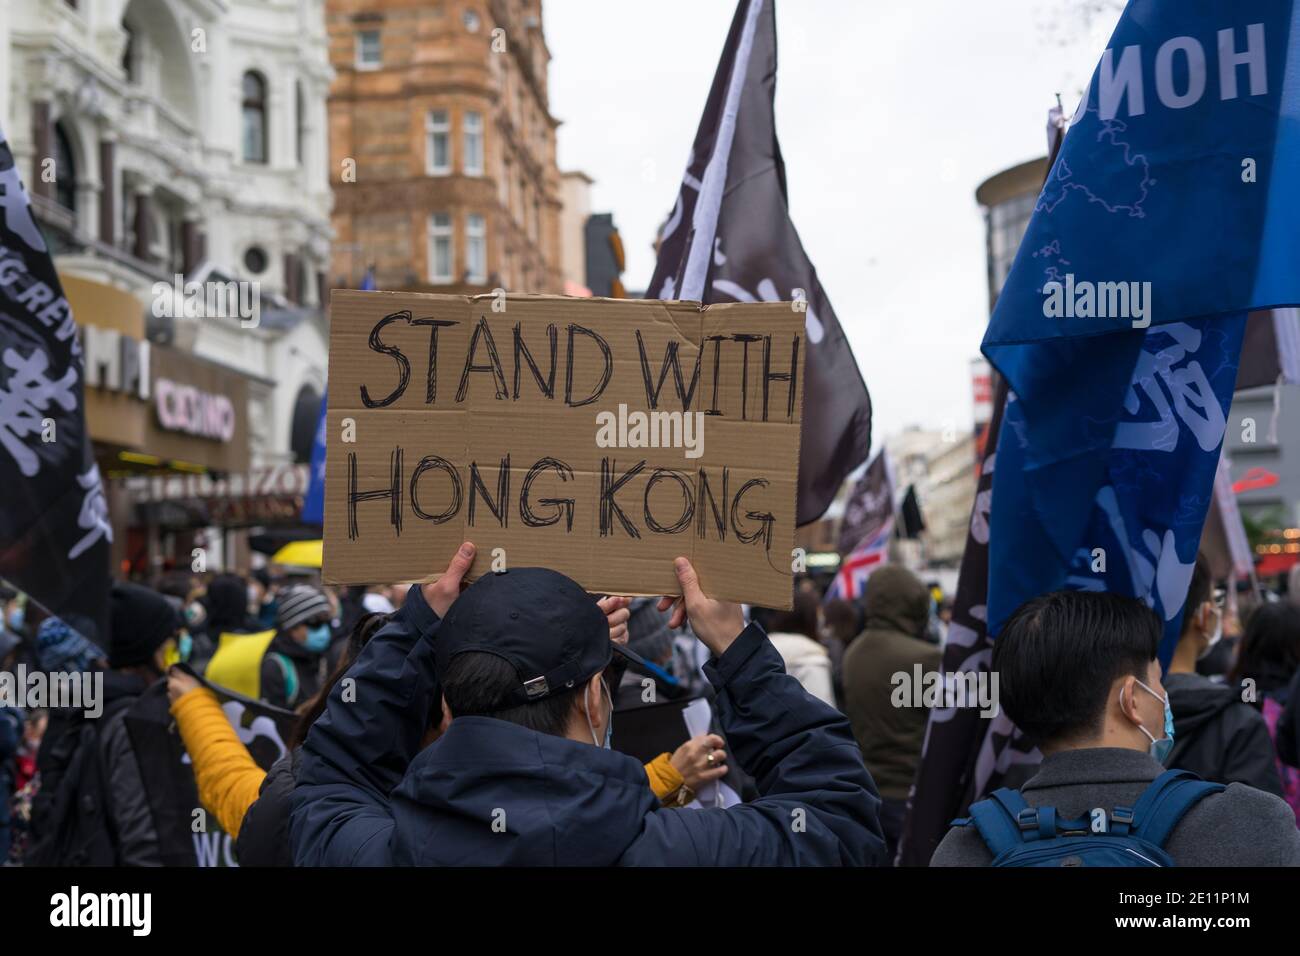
(1169, 214)
(313, 503)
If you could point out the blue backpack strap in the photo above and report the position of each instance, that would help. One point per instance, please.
(290, 677)
(1165, 802)
(997, 820)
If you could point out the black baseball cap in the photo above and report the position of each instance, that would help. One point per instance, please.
(543, 623)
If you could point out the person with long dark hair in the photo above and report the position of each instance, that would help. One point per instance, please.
(1218, 735)
(1270, 658)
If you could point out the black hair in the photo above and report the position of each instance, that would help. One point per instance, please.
(1058, 655)
(844, 620)
(227, 603)
(477, 682)
(1270, 647)
(1199, 590)
(800, 619)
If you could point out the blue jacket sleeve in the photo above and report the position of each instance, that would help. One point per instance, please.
(817, 806)
(359, 749)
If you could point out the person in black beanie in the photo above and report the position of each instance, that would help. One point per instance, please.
(226, 601)
(143, 623)
(122, 832)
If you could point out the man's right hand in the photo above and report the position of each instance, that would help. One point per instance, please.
(440, 594)
(715, 623)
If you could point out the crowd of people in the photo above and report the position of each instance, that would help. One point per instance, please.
(449, 723)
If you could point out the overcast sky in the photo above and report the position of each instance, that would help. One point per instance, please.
(889, 116)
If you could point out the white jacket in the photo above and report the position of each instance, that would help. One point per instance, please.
(807, 662)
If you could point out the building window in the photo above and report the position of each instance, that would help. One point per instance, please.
(437, 143)
(472, 127)
(476, 249)
(254, 118)
(440, 251)
(1007, 224)
(65, 170)
(300, 114)
(255, 260)
(471, 21)
(128, 55)
(369, 56)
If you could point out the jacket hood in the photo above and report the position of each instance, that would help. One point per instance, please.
(896, 600)
(492, 793)
(1195, 701)
(798, 647)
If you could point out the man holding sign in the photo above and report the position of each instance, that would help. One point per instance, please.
(514, 668)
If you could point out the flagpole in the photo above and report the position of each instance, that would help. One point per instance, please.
(704, 221)
(45, 610)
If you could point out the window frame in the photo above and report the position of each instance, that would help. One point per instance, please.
(433, 232)
(359, 47)
(259, 103)
(476, 237)
(432, 128)
(476, 136)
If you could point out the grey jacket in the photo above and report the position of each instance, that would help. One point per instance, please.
(1241, 826)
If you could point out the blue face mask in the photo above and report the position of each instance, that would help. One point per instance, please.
(318, 638)
(16, 617)
(185, 646)
(1161, 748)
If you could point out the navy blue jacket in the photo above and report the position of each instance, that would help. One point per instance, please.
(490, 792)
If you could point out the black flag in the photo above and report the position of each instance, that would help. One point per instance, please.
(168, 775)
(965, 754)
(54, 530)
(1271, 349)
(913, 520)
(869, 506)
(730, 238)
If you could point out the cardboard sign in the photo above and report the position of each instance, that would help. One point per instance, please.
(597, 437)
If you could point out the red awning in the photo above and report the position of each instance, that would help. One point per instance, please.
(1271, 564)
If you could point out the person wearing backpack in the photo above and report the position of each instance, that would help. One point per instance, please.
(1078, 674)
(1217, 734)
(92, 808)
(294, 665)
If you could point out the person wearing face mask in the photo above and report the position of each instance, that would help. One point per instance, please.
(1080, 677)
(293, 667)
(519, 666)
(1217, 735)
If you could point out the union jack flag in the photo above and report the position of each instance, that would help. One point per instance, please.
(851, 579)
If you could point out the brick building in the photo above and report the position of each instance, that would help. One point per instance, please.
(442, 146)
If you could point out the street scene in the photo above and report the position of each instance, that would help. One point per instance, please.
(506, 433)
